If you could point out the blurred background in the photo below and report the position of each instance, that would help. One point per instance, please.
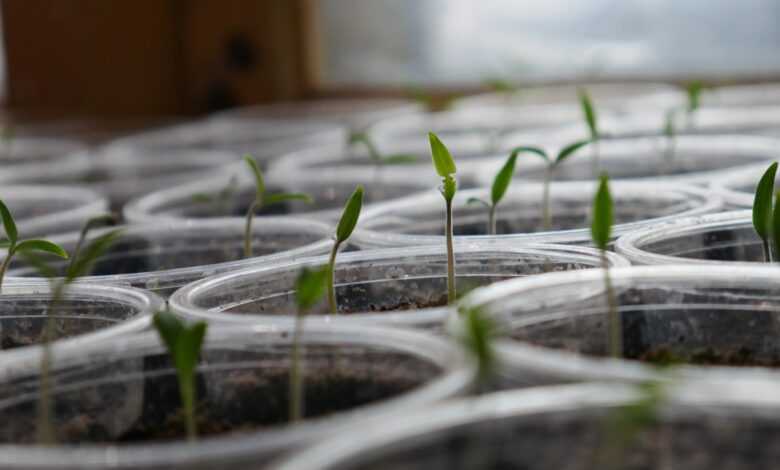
(132, 61)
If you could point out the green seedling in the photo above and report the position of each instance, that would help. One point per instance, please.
(13, 245)
(94, 222)
(376, 156)
(601, 229)
(497, 191)
(445, 167)
(551, 165)
(221, 199)
(347, 222)
(183, 343)
(763, 214)
(309, 289)
(477, 338)
(262, 199)
(591, 120)
(776, 224)
(693, 93)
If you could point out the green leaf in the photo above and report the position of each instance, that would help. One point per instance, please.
(570, 150)
(89, 255)
(40, 265)
(589, 113)
(8, 223)
(693, 90)
(478, 337)
(41, 245)
(442, 159)
(202, 198)
(399, 159)
(188, 347)
(5, 243)
(601, 225)
(449, 187)
(281, 197)
(259, 180)
(170, 329)
(311, 286)
(349, 217)
(533, 150)
(357, 136)
(476, 200)
(762, 204)
(502, 179)
(776, 224)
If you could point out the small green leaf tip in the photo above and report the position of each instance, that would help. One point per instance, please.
(258, 174)
(762, 204)
(442, 159)
(8, 223)
(589, 112)
(183, 341)
(349, 217)
(533, 150)
(693, 90)
(502, 179)
(776, 224)
(570, 150)
(42, 245)
(310, 286)
(601, 226)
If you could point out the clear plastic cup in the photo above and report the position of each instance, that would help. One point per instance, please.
(42, 160)
(46, 210)
(419, 220)
(714, 240)
(88, 314)
(406, 287)
(162, 257)
(117, 404)
(716, 325)
(742, 96)
(738, 188)
(572, 427)
(693, 159)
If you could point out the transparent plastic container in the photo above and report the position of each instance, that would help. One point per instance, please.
(45, 210)
(123, 173)
(572, 427)
(693, 160)
(163, 257)
(406, 287)
(715, 325)
(753, 96)
(419, 220)
(88, 314)
(266, 139)
(354, 113)
(714, 240)
(117, 404)
(738, 188)
(42, 160)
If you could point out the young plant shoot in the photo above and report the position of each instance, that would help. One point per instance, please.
(477, 337)
(183, 342)
(670, 132)
(693, 92)
(551, 165)
(13, 245)
(347, 223)
(762, 210)
(591, 120)
(600, 229)
(376, 156)
(309, 289)
(262, 199)
(445, 167)
(497, 191)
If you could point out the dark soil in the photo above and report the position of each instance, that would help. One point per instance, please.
(741, 357)
(440, 301)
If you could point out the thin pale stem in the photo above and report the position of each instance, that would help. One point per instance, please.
(250, 213)
(615, 323)
(6, 263)
(767, 250)
(669, 154)
(45, 428)
(187, 392)
(492, 220)
(546, 216)
(296, 372)
(451, 293)
(334, 307)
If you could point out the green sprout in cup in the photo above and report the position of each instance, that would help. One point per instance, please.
(477, 337)
(183, 343)
(600, 229)
(497, 191)
(551, 165)
(445, 167)
(763, 213)
(309, 289)
(591, 120)
(693, 94)
(347, 223)
(262, 199)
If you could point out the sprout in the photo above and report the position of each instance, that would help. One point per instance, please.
(693, 92)
(183, 343)
(7, 137)
(262, 199)
(762, 209)
(221, 198)
(600, 229)
(13, 245)
(98, 220)
(309, 289)
(670, 132)
(563, 154)
(445, 167)
(346, 226)
(589, 114)
(497, 191)
(376, 156)
(477, 337)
